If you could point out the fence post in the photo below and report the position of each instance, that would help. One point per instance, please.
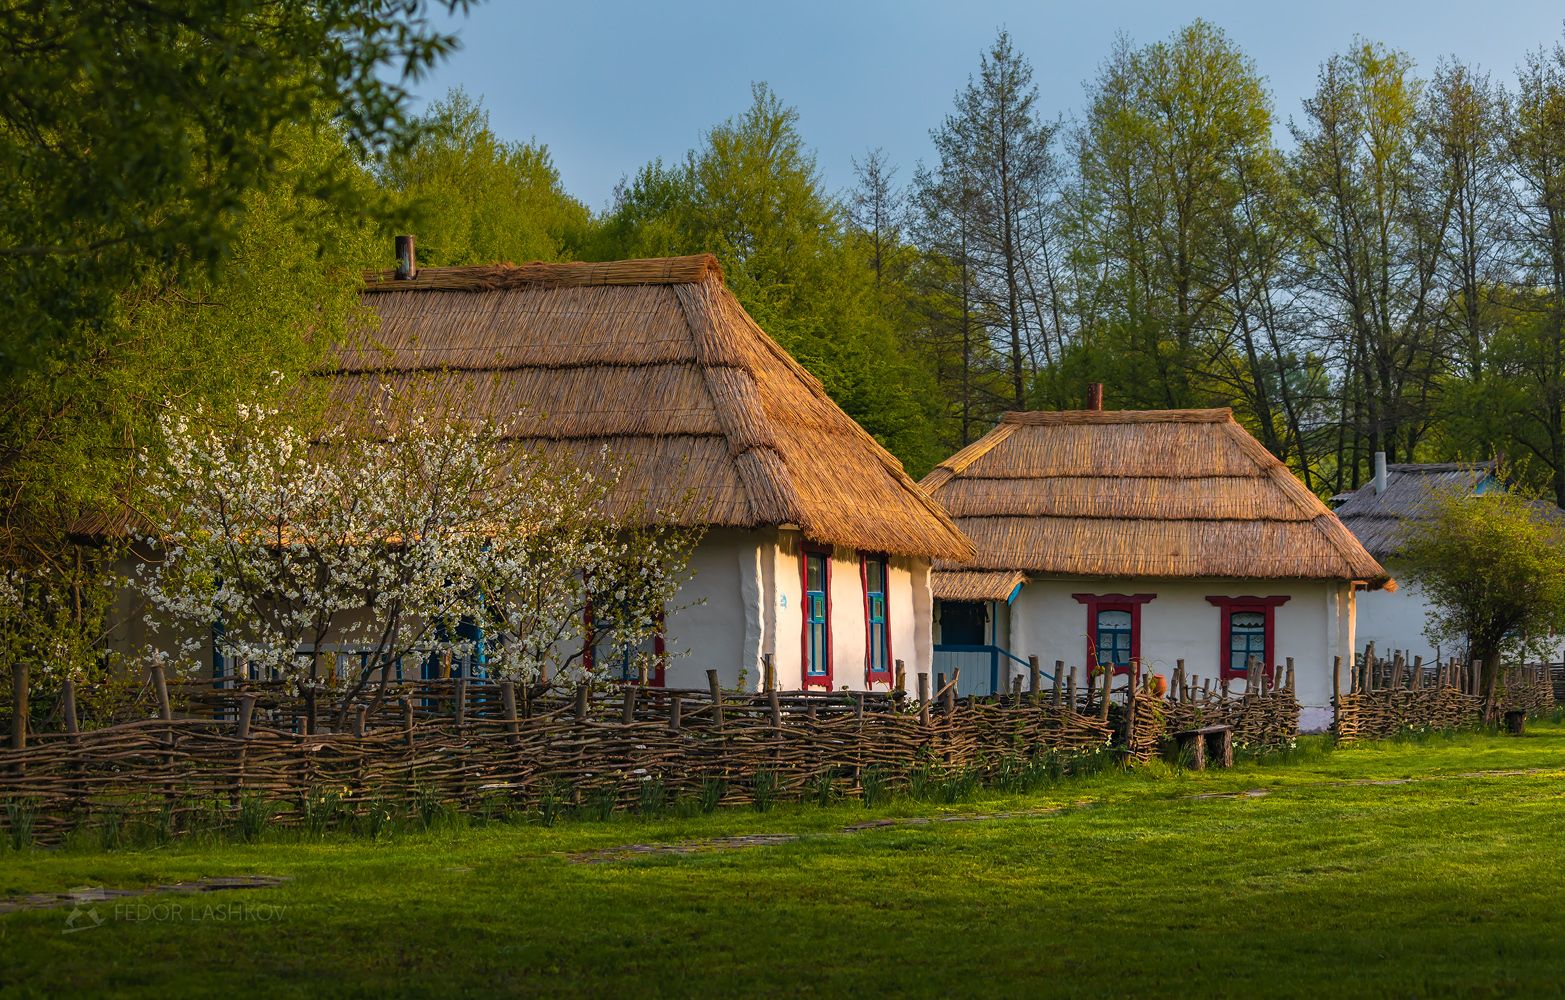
(1059, 680)
(19, 680)
(246, 715)
(1336, 680)
(582, 691)
(769, 672)
(360, 718)
(407, 718)
(459, 708)
(674, 707)
(923, 698)
(950, 690)
(899, 679)
(776, 706)
(69, 711)
(309, 711)
(160, 686)
(629, 712)
(508, 706)
(717, 698)
(1070, 689)
(1033, 678)
(1108, 687)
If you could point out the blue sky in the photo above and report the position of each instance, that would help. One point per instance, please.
(610, 85)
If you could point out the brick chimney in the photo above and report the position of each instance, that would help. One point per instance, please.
(407, 260)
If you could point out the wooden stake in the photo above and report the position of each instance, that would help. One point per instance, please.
(675, 708)
(1059, 681)
(461, 702)
(1033, 677)
(508, 706)
(769, 671)
(407, 718)
(923, 698)
(628, 715)
(1336, 679)
(19, 708)
(717, 699)
(246, 715)
(360, 713)
(582, 692)
(160, 686)
(68, 696)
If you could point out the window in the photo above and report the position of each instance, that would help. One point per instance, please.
(620, 661)
(1246, 628)
(877, 630)
(1113, 629)
(816, 573)
(1114, 634)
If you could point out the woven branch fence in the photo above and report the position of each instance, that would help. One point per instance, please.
(1386, 696)
(212, 750)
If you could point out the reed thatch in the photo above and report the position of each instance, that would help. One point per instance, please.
(1377, 520)
(1131, 493)
(657, 362)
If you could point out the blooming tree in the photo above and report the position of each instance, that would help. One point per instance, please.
(404, 536)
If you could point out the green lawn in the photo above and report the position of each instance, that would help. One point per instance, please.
(1342, 880)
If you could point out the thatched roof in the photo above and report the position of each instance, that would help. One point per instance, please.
(1129, 493)
(1377, 520)
(656, 361)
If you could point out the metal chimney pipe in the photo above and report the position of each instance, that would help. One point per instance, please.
(1094, 395)
(1380, 472)
(407, 260)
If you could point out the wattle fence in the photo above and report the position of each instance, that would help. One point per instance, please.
(1386, 696)
(211, 753)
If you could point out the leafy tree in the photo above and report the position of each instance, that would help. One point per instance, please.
(1493, 567)
(133, 133)
(475, 198)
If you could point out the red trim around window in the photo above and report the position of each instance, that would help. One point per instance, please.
(1113, 602)
(807, 549)
(1266, 606)
(659, 654)
(871, 675)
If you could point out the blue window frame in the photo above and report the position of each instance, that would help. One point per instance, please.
(877, 654)
(817, 618)
(1246, 638)
(1115, 632)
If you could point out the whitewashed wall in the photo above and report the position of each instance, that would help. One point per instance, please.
(908, 602)
(1315, 625)
(744, 599)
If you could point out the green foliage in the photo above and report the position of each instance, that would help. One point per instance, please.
(140, 131)
(476, 199)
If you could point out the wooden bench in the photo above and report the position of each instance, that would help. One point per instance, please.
(1216, 741)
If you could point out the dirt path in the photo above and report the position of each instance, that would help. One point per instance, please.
(92, 894)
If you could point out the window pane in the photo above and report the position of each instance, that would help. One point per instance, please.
(1113, 620)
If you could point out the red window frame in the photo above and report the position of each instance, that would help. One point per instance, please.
(807, 549)
(1266, 606)
(1113, 602)
(871, 675)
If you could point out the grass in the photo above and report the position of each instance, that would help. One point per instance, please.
(1385, 870)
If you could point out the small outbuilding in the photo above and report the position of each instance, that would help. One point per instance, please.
(1113, 537)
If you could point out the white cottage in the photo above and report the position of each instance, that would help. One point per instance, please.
(1378, 513)
(1148, 536)
(819, 546)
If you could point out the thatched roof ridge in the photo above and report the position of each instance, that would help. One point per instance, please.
(659, 363)
(490, 277)
(1125, 493)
